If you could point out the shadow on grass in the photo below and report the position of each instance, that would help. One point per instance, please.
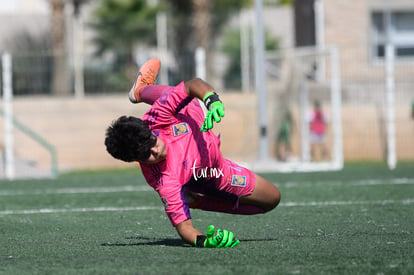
(149, 241)
(259, 240)
(169, 242)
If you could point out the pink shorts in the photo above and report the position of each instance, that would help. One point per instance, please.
(233, 181)
(237, 180)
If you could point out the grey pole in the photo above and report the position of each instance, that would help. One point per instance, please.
(261, 80)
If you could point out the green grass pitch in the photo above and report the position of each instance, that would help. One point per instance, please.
(356, 221)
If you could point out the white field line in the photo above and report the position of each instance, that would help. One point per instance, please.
(132, 188)
(80, 190)
(397, 181)
(142, 208)
(74, 210)
(335, 203)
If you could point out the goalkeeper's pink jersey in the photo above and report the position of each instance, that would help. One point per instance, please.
(192, 155)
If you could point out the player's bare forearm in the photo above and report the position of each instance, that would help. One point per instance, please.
(198, 88)
(187, 231)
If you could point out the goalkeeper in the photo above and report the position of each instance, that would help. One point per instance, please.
(180, 156)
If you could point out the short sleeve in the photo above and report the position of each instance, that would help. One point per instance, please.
(175, 204)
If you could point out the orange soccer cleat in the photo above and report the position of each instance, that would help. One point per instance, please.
(146, 76)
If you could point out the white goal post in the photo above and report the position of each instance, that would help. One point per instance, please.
(296, 78)
(9, 168)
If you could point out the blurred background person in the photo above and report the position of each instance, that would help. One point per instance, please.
(317, 125)
(283, 138)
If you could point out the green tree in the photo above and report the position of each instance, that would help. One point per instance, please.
(121, 23)
(198, 23)
(231, 47)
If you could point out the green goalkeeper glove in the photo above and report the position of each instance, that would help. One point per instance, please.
(223, 238)
(215, 110)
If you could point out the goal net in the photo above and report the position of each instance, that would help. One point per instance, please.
(304, 111)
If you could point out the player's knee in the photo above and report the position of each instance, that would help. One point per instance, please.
(272, 201)
(269, 194)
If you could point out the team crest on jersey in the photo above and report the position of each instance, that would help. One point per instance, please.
(239, 181)
(180, 129)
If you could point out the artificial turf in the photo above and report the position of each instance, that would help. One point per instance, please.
(356, 221)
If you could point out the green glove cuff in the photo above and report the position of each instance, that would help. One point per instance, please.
(215, 111)
(210, 98)
(200, 240)
(207, 95)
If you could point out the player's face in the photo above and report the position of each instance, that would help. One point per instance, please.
(158, 152)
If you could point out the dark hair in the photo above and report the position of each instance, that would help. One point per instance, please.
(129, 139)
